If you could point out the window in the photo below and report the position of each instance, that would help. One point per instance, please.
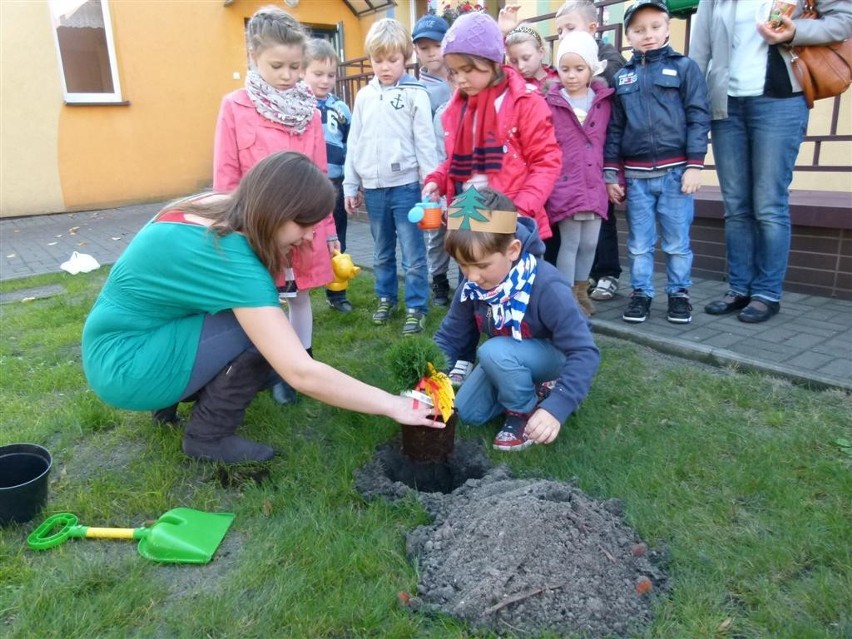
(83, 34)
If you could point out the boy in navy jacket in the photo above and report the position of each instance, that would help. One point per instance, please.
(656, 142)
(535, 332)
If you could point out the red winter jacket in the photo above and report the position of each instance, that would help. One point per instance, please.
(532, 159)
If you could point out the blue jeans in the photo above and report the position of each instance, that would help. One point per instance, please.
(387, 210)
(755, 150)
(649, 200)
(505, 376)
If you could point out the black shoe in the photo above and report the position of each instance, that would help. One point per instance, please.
(167, 416)
(638, 309)
(759, 311)
(728, 304)
(680, 310)
(440, 290)
(340, 304)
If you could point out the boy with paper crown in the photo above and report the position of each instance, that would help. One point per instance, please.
(536, 336)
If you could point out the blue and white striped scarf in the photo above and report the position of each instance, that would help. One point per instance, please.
(509, 300)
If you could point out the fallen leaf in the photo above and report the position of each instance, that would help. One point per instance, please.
(73, 230)
(403, 597)
(27, 299)
(10, 256)
(52, 243)
(643, 585)
(266, 508)
(639, 550)
(725, 625)
(116, 238)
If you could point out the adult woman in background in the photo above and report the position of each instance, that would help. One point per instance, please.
(759, 120)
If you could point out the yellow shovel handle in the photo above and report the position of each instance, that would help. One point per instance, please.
(110, 533)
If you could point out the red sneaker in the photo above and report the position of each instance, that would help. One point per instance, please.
(512, 437)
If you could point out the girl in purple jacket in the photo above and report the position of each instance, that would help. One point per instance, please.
(581, 107)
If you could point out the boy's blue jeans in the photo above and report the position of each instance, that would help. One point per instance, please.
(755, 149)
(387, 210)
(649, 200)
(505, 377)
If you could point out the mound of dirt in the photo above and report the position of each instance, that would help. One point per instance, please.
(522, 556)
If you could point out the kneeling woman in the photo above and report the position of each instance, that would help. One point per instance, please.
(190, 312)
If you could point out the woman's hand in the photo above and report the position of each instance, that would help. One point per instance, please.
(691, 181)
(542, 427)
(353, 202)
(407, 411)
(430, 192)
(508, 18)
(777, 33)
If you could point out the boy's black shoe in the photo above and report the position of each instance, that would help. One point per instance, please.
(440, 290)
(339, 303)
(680, 310)
(638, 309)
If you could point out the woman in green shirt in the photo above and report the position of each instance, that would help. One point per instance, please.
(190, 312)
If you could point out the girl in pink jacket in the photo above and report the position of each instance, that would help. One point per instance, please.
(497, 129)
(277, 112)
(581, 108)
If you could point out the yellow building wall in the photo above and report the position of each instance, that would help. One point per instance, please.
(176, 60)
(30, 103)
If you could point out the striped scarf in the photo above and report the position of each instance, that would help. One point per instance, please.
(509, 300)
(293, 108)
(478, 147)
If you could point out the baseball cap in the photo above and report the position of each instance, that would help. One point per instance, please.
(660, 5)
(431, 27)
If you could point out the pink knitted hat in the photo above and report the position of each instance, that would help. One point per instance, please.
(475, 34)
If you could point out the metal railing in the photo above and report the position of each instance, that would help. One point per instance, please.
(355, 73)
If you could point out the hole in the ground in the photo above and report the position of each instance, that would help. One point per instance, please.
(390, 465)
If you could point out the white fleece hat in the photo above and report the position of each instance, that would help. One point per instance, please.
(584, 45)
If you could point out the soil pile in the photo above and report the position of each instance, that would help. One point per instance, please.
(527, 556)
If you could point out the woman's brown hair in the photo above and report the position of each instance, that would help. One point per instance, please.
(284, 187)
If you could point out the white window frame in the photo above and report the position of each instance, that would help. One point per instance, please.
(91, 98)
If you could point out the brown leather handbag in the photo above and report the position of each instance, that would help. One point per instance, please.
(824, 71)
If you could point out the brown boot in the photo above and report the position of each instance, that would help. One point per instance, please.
(581, 294)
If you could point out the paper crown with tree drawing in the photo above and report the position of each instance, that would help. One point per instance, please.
(469, 212)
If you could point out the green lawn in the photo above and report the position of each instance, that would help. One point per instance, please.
(738, 477)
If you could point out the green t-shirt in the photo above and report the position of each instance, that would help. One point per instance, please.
(141, 337)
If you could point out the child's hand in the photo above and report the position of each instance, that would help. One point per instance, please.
(430, 192)
(615, 192)
(333, 245)
(508, 18)
(352, 203)
(542, 427)
(691, 181)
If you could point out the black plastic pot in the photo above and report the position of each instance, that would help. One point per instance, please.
(433, 445)
(23, 481)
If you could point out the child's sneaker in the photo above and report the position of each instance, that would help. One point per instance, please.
(680, 310)
(460, 372)
(440, 290)
(414, 322)
(604, 289)
(543, 390)
(638, 309)
(383, 312)
(512, 436)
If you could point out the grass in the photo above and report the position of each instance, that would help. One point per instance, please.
(738, 479)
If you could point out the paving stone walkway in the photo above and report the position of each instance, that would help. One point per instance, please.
(810, 341)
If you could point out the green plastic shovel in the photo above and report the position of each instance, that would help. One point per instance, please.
(182, 535)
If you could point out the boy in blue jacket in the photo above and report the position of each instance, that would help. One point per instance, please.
(535, 333)
(657, 139)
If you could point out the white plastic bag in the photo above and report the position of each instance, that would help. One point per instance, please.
(80, 263)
